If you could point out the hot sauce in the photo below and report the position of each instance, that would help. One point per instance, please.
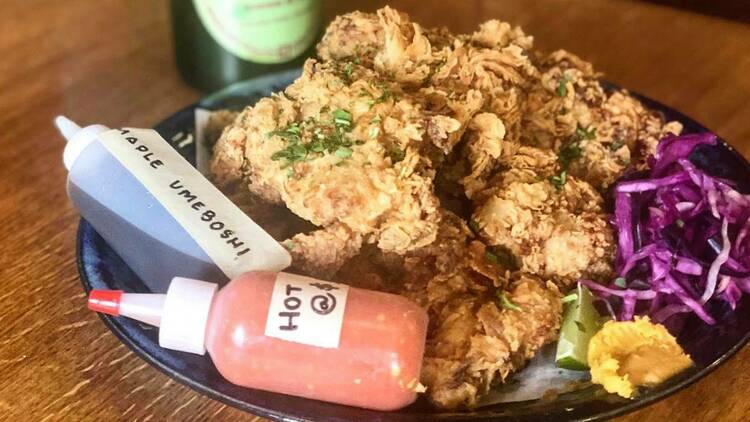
(291, 334)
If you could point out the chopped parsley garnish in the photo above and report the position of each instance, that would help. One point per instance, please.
(434, 69)
(342, 117)
(571, 152)
(620, 282)
(474, 226)
(568, 153)
(346, 71)
(330, 139)
(587, 133)
(385, 95)
(293, 153)
(291, 133)
(505, 303)
(375, 130)
(396, 154)
(501, 257)
(562, 86)
(558, 180)
(343, 152)
(616, 144)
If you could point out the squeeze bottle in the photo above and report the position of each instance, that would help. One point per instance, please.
(290, 334)
(160, 215)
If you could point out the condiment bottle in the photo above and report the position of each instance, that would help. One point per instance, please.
(290, 334)
(160, 215)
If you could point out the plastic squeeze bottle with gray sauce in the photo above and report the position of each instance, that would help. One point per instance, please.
(160, 215)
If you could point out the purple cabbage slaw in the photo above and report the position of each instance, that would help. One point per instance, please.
(683, 238)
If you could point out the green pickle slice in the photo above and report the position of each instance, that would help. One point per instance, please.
(581, 321)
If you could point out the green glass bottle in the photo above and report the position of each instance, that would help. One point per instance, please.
(218, 42)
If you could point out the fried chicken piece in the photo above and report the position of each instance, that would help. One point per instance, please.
(321, 253)
(337, 150)
(387, 42)
(487, 61)
(563, 98)
(355, 34)
(477, 343)
(460, 107)
(556, 232)
(398, 50)
(569, 109)
(373, 269)
(484, 149)
(217, 121)
(407, 53)
(455, 263)
(445, 366)
(626, 133)
(494, 60)
(628, 122)
(495, 56)
(472, 342)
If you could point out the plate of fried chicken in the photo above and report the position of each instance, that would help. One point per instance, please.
(470, 173)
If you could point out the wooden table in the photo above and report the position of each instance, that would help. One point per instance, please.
(111, 62)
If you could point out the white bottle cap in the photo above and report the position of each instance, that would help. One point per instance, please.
(185, 315)
(78, 139)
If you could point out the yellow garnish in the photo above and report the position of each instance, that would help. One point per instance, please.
(626, 354)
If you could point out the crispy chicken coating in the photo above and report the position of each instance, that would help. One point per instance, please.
(487, 70)
(322, 252)
(555, 231)
(473, 339)
(568, 107)
(336, 151)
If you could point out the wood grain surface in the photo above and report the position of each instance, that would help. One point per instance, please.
(111, 62)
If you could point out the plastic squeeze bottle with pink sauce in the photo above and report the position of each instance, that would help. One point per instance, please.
(290, 334)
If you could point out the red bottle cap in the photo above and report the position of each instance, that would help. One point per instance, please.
(105, 301)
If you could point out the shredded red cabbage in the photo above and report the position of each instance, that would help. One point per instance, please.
(683, 238)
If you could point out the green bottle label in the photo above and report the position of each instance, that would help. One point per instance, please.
(261, 31)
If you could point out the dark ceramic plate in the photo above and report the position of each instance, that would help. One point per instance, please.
(101, 268)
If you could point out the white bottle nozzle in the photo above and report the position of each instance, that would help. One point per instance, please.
(181, 314)
(78, 138)
(67, 127)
